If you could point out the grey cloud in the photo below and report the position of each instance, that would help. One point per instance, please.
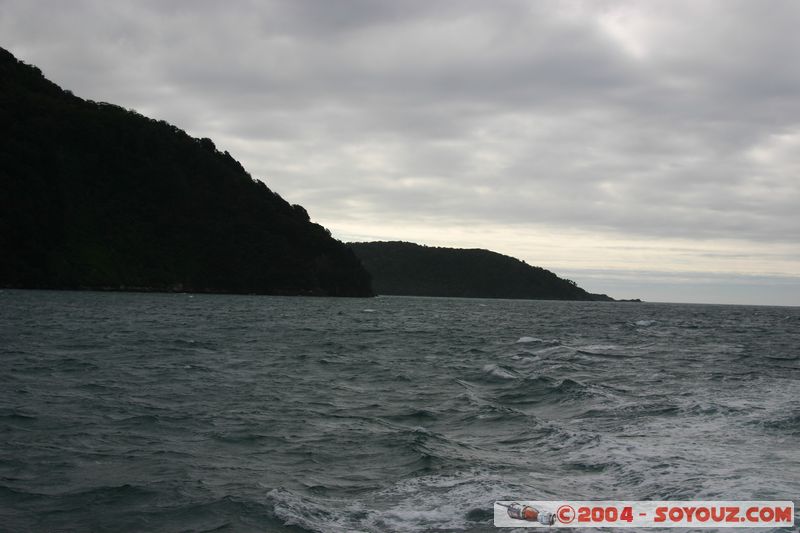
(510, 112)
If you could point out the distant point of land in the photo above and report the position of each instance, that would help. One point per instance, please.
(404, 268)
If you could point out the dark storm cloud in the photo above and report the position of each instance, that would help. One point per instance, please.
(657, 119)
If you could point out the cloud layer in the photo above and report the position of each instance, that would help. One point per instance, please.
(627, 122)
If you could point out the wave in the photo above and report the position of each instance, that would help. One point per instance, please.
(607, 351)
(541, 389)
(788, 424)
(453, 502)
(414, 414)
(135, 508)
(499, 372)
(12, 415)
(536, 340)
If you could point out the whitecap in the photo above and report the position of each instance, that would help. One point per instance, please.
(498, 372)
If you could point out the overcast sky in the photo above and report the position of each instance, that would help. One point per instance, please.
(643, 149)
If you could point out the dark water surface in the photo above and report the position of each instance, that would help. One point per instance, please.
(148, 412)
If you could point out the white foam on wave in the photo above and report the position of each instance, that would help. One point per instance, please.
(599, 348)
(498, 372)
(440, 502)
(556, 350)
(644, 323)
(320, 516)
(427, 503)
(524, 359)
(537, 340)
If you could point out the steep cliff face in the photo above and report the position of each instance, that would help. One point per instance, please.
(405, 268)
(96, 196)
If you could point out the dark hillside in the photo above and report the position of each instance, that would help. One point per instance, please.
(96, 196)
(405, 268)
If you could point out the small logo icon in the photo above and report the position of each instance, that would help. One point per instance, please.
(565, 514)
(517, 511)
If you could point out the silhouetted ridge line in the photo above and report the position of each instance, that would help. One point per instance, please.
(404, 268)
(96, 196)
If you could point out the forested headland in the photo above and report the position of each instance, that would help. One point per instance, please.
(95, 196)
(404, 268)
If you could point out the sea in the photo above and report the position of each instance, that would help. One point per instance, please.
(187, 412)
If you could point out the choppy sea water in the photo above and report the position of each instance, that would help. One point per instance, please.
(156, 412)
